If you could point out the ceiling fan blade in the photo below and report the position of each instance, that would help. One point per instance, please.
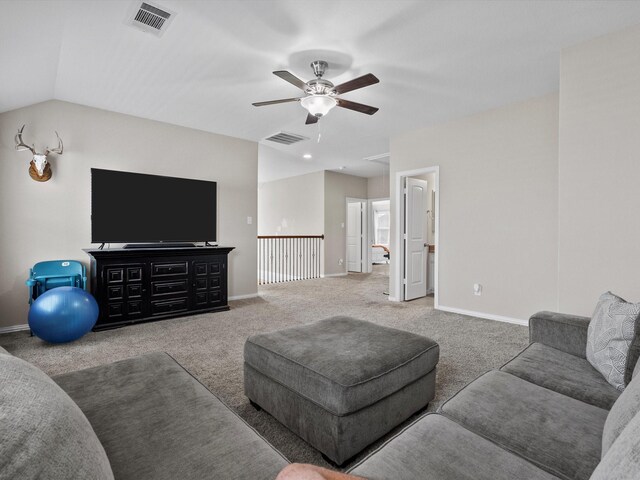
(291, 78)
(311, 119)
(360, 82)
(358, 107)
(273, 102)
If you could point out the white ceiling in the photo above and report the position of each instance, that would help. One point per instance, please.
(436, 60)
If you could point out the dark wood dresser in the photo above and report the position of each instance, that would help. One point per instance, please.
(144, 284)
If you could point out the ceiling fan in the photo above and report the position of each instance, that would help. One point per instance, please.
(322, 95)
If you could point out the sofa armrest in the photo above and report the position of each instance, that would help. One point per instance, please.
(567, 333)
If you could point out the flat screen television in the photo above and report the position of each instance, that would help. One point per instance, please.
(140, 208)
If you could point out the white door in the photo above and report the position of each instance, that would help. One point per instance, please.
(416, 249)
(354, 237)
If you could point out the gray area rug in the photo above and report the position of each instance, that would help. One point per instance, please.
(210, 345)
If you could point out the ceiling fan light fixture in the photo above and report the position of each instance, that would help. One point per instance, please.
(318, 105)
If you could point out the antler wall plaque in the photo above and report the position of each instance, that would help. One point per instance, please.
(39, 167)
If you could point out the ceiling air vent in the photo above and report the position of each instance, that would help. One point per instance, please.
(150, 18)
(286, 138)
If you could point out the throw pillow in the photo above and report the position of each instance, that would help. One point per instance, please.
(43, 433)
(610, 334)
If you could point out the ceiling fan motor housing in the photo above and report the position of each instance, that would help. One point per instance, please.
(319, 86)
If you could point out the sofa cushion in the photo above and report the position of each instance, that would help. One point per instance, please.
(563, 373)
(612, 331)
(43, 433)
(342, 364)
(622, 461)
(158, 422)
(627, 407)
(436, 448)
(560, 434)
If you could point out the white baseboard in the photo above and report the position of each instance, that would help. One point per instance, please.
(487, 316)
(14, 328)
(393, 299)
(243, 297)
(327, 275)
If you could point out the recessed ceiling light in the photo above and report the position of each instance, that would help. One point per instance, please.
(342, 168)
(307, 156)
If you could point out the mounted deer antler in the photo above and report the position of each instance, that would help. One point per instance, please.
(57, 150)
(39, 168)
(20, 145)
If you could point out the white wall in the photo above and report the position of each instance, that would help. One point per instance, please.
(311, 204)
(46, 221)
(378, 187)
(337, 188)
(599, 231)
(498, 206)
(292, 206)
(274, 164)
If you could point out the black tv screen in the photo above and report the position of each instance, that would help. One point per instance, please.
(135, 207)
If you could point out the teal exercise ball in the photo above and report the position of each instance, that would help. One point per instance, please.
(63, 314)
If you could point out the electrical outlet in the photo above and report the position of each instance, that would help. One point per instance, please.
(477, 289)
(340, 262)
(249, 220)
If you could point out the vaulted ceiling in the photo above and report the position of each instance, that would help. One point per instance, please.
(436, 61)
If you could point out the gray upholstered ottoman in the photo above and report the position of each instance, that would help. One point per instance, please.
(340, 383)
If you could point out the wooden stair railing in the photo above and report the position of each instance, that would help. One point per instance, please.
(287, 258)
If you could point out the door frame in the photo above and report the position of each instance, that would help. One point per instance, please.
(397, 259)
(364, 252)
(371, 234)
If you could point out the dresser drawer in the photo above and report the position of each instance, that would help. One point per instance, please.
(164, 269)
(215, 268)
(215, 298)
(201, 298)
(115, 275)
(134, 290)
(114, 292)
(134, 308)
(215, 282)
(161, 307)
(163, 288)
(115, 310)
(134, 274)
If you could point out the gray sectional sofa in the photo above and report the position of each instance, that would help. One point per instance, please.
(141, 418)
(546, 414)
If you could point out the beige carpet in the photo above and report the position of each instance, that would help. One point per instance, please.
(210, 345)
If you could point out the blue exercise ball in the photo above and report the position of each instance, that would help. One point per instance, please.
(63, 314)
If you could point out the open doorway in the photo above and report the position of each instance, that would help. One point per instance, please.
(415, 273)
(379, 236)
(356, 233)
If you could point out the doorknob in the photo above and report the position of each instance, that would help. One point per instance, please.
(426, 244)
